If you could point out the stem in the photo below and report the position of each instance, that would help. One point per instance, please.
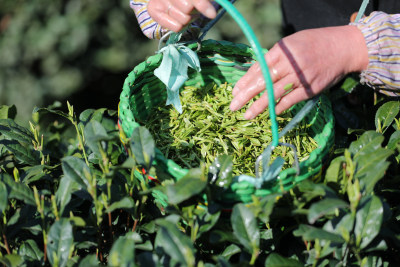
(104, 158)
(80, 141)
(41, 211)
(111, 229)
(134, 225)
(99, 255)
(317, 252)
(195, 229)
(254, 256)
(99, 252)
(45, 251)
(346, 254)
(128, 220)
(6, 244)
(98, 209)
(315, 263)
(356, 254)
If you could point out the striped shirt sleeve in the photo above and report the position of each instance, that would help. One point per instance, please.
(382, 35)
(149, 27)
(153, 30)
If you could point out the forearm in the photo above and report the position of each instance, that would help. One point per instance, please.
(382, 36)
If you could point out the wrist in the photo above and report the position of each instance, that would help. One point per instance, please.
(357, 48)
(346, 47)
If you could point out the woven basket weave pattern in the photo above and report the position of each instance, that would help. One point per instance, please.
(220, 62)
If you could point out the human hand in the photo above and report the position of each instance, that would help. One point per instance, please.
(175, 14)
(308, 61)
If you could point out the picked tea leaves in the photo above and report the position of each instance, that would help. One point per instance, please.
(207, 128)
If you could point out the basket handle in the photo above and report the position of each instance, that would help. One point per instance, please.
(255, 45)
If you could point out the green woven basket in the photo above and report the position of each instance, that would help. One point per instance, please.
(221, 62)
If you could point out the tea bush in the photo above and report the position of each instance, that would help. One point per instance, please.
(72, 195)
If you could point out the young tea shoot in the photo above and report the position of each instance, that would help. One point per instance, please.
(207, 128)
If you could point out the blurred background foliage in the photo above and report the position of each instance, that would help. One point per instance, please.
(82, 50)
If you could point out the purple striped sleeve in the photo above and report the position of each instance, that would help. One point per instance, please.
(146, 23)
(152, 29)
(382, 36)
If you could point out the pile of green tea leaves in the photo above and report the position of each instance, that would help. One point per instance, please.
(207, 128)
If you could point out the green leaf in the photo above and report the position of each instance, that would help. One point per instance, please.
(376, 245)
(311, 233)
(123, 251)
(367, 143)
(34, 173)
(370, 159)
(386, 114)
(219, 236)
(206, 220)
(94, 133)
(12, 260)
(244, 225)
(52, 111)
(65, 189)
(30, 249)
(333, 173)
(24, 154)
(230, 250)
(13, 131)
(3, 197)
(324, 207)
(312, 190)
(394, 140)
(147, 246)
(372, 167)
(76, 169)
(89, 260)
(376, 261)
(378, 152)
(143, 146)
(126, 203)
(174, 243)
(276, 260)
(129, 163)
(59, 242)
(18, 191)
(263, 208)
(349, 84)
(342, 226)
(92, 115)
(368, 221)
(221, 170)
(77, 221)
(190, 185)
(8, 112)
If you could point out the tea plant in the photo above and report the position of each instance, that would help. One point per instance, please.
(72, 195)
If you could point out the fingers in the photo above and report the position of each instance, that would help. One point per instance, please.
(257, 107)
(205, 8)
(252, 83)
(202, 6)
(160, 10)
(176, 14)
(247, 92)
(280, 91)
(276, 72)
(289, 100)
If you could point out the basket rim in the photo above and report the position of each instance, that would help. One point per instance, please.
(127, 120)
